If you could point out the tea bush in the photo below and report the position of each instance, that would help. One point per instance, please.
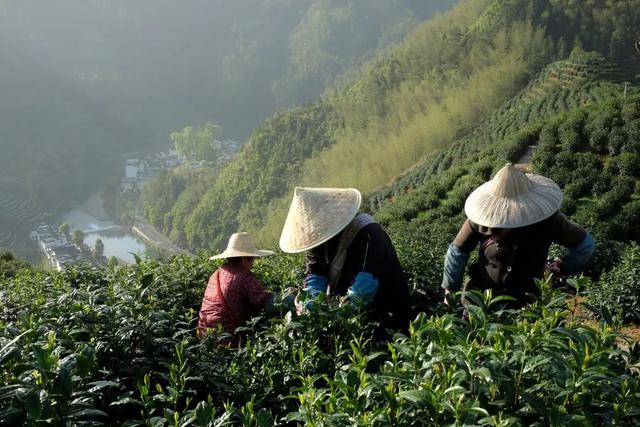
(118, 347)
(115, 346)
(536, 368)
(620, 288)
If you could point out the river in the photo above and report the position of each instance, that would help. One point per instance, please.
(91, 218)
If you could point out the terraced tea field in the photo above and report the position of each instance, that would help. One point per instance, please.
(17, 217)
(560, 87)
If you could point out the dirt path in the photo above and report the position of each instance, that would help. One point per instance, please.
(580, 314)
(524, 162)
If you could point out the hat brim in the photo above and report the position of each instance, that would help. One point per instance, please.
(238, 254)
(294, 249)
(542, 201)
(326, 214)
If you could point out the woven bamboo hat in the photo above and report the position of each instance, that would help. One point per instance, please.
(316, 215)
(513, 199)
(241, 245)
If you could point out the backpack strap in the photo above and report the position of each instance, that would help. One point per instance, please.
(224, 301)
(347, 238)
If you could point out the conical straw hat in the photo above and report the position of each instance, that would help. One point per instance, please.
(316, 215)
(513, 199)
(241, 245)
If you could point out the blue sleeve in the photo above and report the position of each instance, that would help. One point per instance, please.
(454, 265)
(579, 256)
(314, 285)
(363, 289)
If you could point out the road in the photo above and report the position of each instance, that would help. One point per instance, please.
(156, 239)
(152, 236)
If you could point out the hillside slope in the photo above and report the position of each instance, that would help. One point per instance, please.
(582, 136)
(86, 84)
(104, 346)
(556, 89)
(447, 76)
(118, 345)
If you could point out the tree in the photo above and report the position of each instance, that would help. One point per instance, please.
(64, 229)
(113, 262)
(78, 237)
(127, 219)
(98, 249)
(198, 143)
(10, 264)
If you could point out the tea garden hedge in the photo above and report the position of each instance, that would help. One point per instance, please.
(117, 346)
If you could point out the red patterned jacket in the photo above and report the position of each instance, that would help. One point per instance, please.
(231, 298)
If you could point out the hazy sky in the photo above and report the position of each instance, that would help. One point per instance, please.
(84, 83)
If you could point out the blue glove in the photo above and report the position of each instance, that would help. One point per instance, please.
(363, 290)
(314, 285)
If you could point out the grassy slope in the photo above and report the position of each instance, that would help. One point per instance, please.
(273, 160)
(556, 89)
(445, 79)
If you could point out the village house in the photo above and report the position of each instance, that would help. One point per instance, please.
(137, 170)
(60, 253)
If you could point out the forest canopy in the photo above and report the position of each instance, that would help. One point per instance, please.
(420, 97)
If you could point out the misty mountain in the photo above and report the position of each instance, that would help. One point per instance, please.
(84, 84)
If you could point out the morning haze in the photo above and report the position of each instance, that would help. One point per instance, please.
(87, 85)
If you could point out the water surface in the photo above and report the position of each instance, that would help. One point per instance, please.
(117, 241)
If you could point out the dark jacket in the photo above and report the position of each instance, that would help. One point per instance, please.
(371, 251)
(530, 246)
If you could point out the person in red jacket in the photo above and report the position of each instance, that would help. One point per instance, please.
(233, 294)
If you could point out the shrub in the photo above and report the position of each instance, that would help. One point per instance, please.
(515, 146)
(622, 187)
(10, 265)
(619, 289)
(569, 204)
(625, 164)
(493, 369)
(617, 140)
(627, 222)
